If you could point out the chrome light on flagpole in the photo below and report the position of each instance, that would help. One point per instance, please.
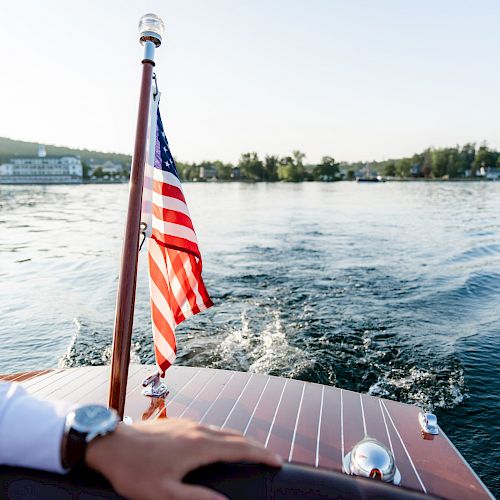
(151, 29)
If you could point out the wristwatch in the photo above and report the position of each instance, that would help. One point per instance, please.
(82, 426)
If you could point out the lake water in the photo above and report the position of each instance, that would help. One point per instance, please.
(391, 289)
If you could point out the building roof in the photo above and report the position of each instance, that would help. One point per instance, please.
(48, 157)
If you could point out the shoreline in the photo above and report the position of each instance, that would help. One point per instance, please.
(242, 181)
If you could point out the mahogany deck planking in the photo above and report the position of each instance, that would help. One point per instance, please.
(353, 426)
(263, 414)
(281, 432)
(428, 460)
(305, 442)
(306, 423)
(330, 448)
(240, 414)
(220, 406)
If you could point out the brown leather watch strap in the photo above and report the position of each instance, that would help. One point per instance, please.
(73, 448)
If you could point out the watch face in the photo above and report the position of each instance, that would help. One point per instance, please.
(92, 417)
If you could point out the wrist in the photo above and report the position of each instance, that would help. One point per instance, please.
(101, 450)
(83, 426)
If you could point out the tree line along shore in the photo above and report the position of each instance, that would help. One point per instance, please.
(460, 162)
(466, 162)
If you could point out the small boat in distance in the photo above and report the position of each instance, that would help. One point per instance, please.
(377, 178)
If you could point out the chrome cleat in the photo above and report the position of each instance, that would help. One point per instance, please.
(428, 423)
(154, 387)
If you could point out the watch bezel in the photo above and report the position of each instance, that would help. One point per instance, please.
(91, 429)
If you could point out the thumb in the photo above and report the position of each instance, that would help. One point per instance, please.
(182, 491)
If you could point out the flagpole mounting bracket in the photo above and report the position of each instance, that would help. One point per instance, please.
(154, 387)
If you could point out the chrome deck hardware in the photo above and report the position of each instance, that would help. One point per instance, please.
(370, 458)
(154, 387)
(428, 423)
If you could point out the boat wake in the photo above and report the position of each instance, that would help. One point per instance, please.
(267, 352)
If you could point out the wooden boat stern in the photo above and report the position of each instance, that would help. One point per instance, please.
(306, 423)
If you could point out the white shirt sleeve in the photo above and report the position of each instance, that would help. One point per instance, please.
(31, 429)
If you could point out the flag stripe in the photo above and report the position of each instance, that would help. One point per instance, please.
(170, 203)
(176, 243)
(160, 275)
(175, 230)
(167, 178)
(168, 190)
(167, 215)
(174, 266)
(163, 345)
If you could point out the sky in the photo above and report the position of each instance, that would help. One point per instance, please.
(357, 80)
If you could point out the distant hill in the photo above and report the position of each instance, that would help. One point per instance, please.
(10, 148)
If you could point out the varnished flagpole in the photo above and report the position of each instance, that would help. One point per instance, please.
(151, 28)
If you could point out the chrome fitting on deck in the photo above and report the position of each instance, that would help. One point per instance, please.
(154, 387)
(370, 458)
(428, 423)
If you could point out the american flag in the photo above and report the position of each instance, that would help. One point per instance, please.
(176, 285)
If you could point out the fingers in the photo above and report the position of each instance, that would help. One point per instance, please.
(181, 491)
(230, 446)
(214, 430)
(234, 448)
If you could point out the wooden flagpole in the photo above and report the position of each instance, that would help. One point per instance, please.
(151, 31)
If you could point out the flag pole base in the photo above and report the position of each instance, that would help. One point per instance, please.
(154, 387)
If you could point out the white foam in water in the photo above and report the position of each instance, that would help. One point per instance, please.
(266, 351)
(65, 361)
(421, 387)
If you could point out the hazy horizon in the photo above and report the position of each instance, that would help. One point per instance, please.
(360, 81)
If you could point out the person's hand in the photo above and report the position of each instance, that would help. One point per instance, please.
(148, 460)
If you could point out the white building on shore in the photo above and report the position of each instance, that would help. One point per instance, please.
(42, 169)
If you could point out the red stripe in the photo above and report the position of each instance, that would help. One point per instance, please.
(168, 215)
(175, 243)
(168, 190)
(177, 260)
(163, 327)
(159, 279)
(196, 264)
(162, 362)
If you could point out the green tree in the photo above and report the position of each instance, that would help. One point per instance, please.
(417, 160)
(427, 163)
(403, 167)
(439, 163)
(86, 169)
(187, 171)
(224, 170)
(389, 168)
(251, 167)
(299, 163)
(327, 170)
(288, 170)
(271, 168)
(467, 155)
(485, 158)
(455, 167)
(98, 172)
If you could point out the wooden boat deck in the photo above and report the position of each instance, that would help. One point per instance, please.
(305, 423)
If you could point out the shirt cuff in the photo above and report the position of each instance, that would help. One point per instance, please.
(31, 430)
